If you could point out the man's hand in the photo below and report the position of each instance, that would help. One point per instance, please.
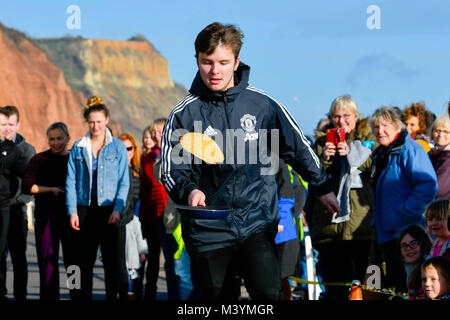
(114, 217)
(330, 203)
(196, 198)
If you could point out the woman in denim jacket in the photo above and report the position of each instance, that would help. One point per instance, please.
(96, 192)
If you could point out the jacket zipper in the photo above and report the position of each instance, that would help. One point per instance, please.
(225, 100)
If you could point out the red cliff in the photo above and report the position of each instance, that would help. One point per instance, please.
(37, 87)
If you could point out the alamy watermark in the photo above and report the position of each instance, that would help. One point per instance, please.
(73, 277)
(242, 146)
(73, 22)
(374, 277)
(374, 20)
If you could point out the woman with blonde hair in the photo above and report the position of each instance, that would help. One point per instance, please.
(153, 197)
(347, 237)
(147, 141)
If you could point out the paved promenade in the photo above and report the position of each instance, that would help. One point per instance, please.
(98, 281)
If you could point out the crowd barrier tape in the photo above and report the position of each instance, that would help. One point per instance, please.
(385, 291)
(338, 284)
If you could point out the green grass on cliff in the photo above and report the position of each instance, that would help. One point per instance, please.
(16, 36)
(64, 53)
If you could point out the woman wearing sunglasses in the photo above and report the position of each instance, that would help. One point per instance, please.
(136, 247)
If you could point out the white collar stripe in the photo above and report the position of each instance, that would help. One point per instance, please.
(293, 123)
(166, 145)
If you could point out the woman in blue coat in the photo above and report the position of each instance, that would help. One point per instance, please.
(403, 184)
(96, 192)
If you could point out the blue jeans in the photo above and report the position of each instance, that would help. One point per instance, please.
(183, 272)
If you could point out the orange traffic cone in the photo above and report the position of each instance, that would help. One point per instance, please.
(356, 291)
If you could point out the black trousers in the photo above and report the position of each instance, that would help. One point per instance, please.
(158, 239)
(255, 260)
(17, 246)
(395, 269)
(95, 231)
(4, 225)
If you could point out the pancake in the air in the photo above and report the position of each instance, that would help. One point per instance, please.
(202, 146)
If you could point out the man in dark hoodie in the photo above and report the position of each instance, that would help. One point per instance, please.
(12, 164)
(18, 224)
(245, 123)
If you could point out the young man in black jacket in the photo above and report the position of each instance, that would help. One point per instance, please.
(12, 165)
(18, 223)
(246, 124)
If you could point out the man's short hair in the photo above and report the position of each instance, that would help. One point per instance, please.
(11, 110)
(217, 34)
(4, 112)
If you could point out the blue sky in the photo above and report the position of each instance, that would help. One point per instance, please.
(302, 53)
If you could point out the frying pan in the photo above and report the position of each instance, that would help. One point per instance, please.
(210, 213)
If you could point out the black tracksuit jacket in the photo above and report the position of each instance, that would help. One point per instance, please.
(12, 165)
(240, 182)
